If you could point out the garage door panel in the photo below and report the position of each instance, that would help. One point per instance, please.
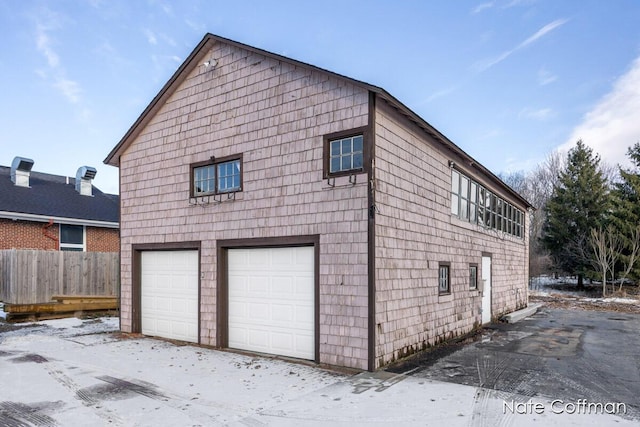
(169, 294)
(275, 312)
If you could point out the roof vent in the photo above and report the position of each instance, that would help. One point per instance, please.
(84, 176)
(20, 171)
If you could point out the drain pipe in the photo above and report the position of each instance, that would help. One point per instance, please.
(47, 233)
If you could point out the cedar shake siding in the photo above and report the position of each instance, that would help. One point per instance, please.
(379, 233)
(275, 114)
(415, 231)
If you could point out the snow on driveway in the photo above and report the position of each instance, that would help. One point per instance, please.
(73, 372)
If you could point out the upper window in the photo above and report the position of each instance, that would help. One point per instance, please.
(472, 202)
(217, 176)
(345, 152)
(71, 237)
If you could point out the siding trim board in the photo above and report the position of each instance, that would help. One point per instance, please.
(136, 278)
(222, 288)
(371, 237)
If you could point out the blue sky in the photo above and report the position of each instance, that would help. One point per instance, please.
(508, 81)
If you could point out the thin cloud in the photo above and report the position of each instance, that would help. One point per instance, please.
(545, 77)
(536, 114)
(439, 94)
(43, 43)
(541, 32)
(482, 7)
(486, 64)
(151, 37)
(47, 21)
(612, 125)
(70, 89)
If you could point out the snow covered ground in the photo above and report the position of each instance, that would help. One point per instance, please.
(73, 372)
(546, 286)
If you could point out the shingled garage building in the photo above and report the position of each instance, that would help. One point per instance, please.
(271, 206)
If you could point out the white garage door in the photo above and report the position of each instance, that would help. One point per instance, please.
(271, 301)
(169, 294)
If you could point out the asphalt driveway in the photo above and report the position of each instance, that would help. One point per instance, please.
(73, 372)
(577, 357)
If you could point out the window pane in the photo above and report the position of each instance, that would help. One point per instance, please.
(229, 176)
(473, 192)
(464, 187)
(346, 163)
(454, 204)
(357, 161)
(357, 144)
(455, 182)
(335, 165)
(203, 180)
(335, 148)
(346, 146)
(72, 234)
(464, 213)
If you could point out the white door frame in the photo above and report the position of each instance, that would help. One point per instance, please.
(486, 289)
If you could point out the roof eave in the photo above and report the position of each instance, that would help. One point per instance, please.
(20, 216)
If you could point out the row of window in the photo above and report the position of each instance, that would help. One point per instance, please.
(472, 202)
(444, 278)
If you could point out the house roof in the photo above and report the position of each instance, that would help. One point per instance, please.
(55, 197)
(200, 51)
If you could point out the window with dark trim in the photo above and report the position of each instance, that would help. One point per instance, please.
(472, 202)
(344, 152)
(216, 176)
(71, 237)
(473, 276)
(444, 279)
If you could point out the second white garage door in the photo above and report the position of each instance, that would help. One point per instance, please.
(271, 301)
(169, 294)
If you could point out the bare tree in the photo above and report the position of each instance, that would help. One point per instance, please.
(634, 248)
(606, 245)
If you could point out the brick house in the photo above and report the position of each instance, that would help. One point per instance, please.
(272, 206)
(51, 212)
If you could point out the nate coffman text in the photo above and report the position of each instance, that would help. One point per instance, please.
(558, 406)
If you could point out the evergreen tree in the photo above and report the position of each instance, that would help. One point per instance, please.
(626, 199)
(579, 202)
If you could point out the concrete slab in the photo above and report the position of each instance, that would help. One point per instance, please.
(516, 316)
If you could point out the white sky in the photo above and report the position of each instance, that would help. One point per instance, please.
(507, 80)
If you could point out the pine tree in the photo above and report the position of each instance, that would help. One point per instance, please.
(579, 203)
(626, 201)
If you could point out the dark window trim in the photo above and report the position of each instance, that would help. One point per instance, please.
(448, 265)
(211, 162)
(473, 286)
(366, 150)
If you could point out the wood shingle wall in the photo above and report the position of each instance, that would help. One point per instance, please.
(275, 114)
(415, 231)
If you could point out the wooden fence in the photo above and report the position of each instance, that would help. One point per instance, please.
(33, 276)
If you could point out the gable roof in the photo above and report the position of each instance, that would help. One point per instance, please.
(55, 197)
(200, 51)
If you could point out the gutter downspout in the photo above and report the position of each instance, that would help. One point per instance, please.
(47, 233)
